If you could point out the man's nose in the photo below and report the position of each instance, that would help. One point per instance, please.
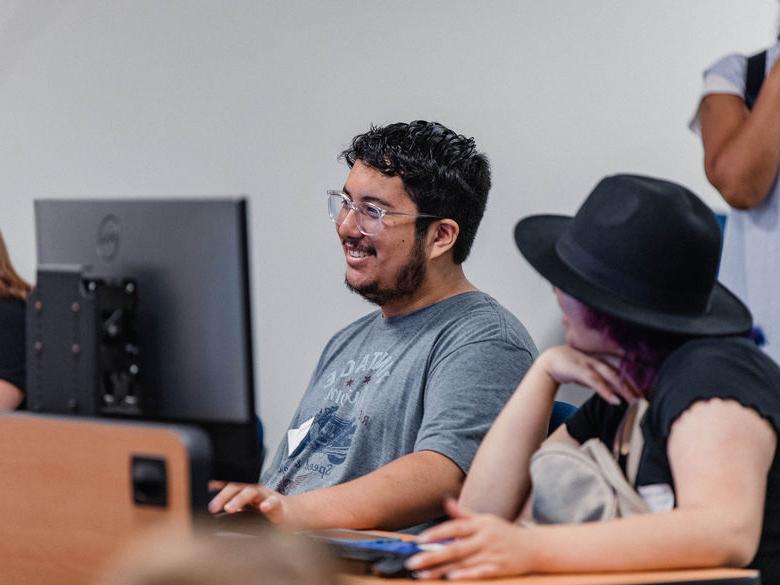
(349, 227)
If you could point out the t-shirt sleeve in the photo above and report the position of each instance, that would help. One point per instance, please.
(595, 419)
(466, 390)
(728, 369)
(12, 342)
(725, 76)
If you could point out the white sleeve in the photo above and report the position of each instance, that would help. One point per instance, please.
(727, 76)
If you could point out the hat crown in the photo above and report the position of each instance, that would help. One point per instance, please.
(651, 242)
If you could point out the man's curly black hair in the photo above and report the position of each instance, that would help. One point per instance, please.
(441, 170)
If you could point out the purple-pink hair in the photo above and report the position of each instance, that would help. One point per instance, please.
(645, 349)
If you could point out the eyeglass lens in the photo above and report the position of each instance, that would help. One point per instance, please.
(369, 219)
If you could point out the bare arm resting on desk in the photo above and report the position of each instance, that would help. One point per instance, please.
(719, 452)
(402, 493)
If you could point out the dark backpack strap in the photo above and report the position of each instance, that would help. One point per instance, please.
(756, 66)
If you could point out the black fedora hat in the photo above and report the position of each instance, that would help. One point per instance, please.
(643, 250)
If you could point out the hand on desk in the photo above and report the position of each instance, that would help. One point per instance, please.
(234, 497)
(486, 546)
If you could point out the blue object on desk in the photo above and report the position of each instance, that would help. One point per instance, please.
(395, 547)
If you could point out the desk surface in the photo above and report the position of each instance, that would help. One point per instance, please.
(688, 577)
(67, 501)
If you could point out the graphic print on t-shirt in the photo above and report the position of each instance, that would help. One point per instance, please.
(333, 428)
(331, 435)
(346, 383)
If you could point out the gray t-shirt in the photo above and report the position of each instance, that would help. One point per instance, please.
(433, 380)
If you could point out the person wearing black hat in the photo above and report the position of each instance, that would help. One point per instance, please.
(635, 276)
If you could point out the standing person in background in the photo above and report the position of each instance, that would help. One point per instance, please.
(740, 132)
(13, 296)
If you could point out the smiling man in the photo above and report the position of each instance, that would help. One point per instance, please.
(402, 397)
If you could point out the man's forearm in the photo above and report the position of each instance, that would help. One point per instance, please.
(405, 492)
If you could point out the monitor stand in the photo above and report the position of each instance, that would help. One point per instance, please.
(75, 491)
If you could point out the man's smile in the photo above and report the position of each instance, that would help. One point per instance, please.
(355, 252)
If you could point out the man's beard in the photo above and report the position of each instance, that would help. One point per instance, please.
(409, 279)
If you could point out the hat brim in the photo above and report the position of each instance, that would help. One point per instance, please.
(536, 237)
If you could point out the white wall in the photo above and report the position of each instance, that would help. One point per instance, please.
(186, 97)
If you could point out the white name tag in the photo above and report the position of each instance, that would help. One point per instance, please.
(659, 497)
(295, 436)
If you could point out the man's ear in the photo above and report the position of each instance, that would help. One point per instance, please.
(442, 236)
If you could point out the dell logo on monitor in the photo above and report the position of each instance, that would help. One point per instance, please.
(108, 238)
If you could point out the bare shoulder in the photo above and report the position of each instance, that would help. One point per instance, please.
(724, 421)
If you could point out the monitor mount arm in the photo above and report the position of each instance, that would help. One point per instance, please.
(82, 352)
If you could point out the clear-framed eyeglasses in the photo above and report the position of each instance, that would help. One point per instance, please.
(369, 217)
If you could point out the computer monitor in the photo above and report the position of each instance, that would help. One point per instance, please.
(188, 262)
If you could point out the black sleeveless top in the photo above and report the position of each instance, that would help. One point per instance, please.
(728, 368)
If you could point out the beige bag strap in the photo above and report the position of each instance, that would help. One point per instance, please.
(628, 438)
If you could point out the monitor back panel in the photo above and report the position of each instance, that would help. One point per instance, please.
(190, 260)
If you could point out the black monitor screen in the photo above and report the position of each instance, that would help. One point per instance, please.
(188, 259)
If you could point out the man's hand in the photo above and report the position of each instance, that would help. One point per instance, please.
(405, 492)
(234, 497)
